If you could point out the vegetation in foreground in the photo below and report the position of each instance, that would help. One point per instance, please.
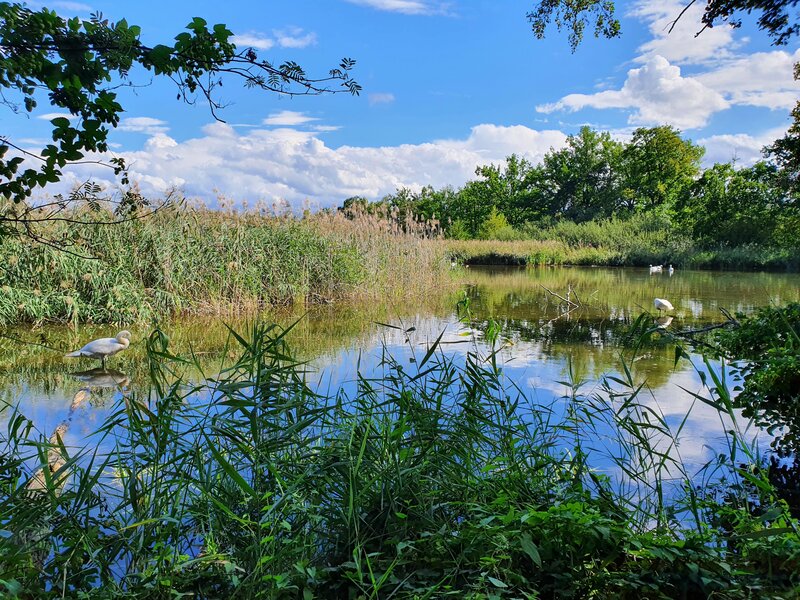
(432, 480)
(183, 260)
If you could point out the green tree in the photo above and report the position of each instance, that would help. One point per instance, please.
(581, 182)
(733, 207)
(785, 152)
(657, 166)
(79, 65)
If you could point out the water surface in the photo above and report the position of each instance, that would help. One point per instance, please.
(560, 329)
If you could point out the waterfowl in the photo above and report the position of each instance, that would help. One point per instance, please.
(662, 304)
(103, 347)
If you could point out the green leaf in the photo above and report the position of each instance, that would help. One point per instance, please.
(530, 549)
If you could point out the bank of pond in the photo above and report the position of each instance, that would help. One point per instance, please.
(532, 434)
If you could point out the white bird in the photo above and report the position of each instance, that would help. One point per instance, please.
(103, 347)
(662, 304)
(656, 269)
(671, 270)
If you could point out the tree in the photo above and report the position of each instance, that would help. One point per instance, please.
(657, 165)
(581, 182)
(734, 207)
(79, 65)
(785, 152)
(575, 15)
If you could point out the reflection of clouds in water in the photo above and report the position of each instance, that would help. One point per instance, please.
(542, 374)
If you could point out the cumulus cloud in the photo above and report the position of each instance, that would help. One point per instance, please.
(743, 148)
(657, 93)
(291, 37)
(380, 98)
(296, 166)
(681, 45)
(147, 125)
(408, 7)
(289, 118)
(760, 79)
(294, 37)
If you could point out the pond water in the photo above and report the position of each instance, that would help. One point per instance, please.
(547, 343)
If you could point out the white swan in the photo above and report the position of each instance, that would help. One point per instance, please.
(103, 347)
(671, 270)
(662, 304)
(656, 269)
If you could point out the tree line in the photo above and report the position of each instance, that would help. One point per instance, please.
(595, 177)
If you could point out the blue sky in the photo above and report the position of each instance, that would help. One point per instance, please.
(447, 86)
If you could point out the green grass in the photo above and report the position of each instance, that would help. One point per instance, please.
(430, 480)
(197, 261)
(638, 241)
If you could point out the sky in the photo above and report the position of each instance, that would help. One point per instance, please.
(447, 86)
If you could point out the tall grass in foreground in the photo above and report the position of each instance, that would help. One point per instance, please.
(436, 478)
(195, 260)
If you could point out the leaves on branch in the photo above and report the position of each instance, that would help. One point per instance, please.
(79, 63)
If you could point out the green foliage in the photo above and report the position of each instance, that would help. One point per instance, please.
(581, 181)
(573, 15)
(786, 150)
(737, 207)
(657, 165)
(496, 227)
(79, 63)
(768, 343)
(434, 479)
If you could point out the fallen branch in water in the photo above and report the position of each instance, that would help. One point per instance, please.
(567, 300)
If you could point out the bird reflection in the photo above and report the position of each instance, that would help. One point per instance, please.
(663, 322)
(56, 454)
(102, 378)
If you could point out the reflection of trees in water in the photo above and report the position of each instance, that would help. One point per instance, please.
(697, 295)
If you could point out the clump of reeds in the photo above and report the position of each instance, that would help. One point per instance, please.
(190, 259)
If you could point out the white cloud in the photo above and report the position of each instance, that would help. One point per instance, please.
(283, 163)
(288, 118)
(325, 128)
(408, 7)
(56, 115)
(253, 40)
(147, 125)
(745, 149)
(291, 37)
(681, 45)
(760, 79)
(657, 93)
(380, 98)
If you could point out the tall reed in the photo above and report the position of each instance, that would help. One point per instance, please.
(185, 259)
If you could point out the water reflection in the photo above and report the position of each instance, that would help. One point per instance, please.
(549, 341)
(57, 451)
(102, 378)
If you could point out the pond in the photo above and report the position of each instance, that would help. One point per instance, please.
(559, 330)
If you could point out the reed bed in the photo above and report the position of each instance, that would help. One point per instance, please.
(432, 479)
(640, 240)
(193, 260)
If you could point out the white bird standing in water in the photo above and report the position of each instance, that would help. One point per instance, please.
(662, 304)
(671, 270)
(103, 347)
